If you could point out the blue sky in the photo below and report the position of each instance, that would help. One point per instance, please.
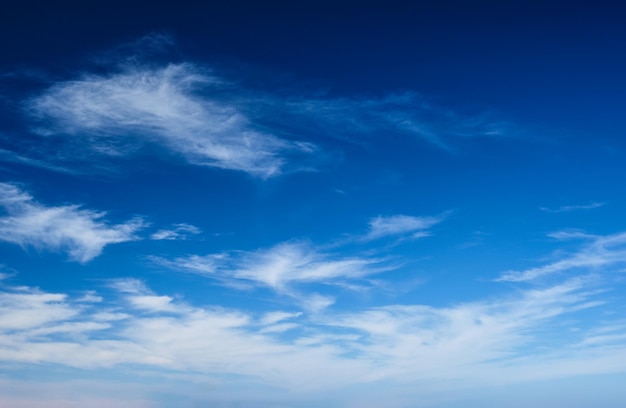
(312, 205)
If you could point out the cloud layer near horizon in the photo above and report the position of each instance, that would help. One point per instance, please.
(477, 340)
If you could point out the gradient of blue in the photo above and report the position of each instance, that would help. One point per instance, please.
(553, 70)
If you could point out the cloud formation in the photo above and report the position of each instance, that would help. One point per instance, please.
(396, 225)
(282, 268)
(191, 111)
(279, 266)
(599, 253)
(407, 113)
(568, 208)
(502, 340)
(81, 233)
(177, 232)
(171, 106)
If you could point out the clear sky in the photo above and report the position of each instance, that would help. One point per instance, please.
(313, 204)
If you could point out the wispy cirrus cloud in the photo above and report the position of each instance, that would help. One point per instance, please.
(568, 208)
(597, 253)
(281, 268)
(170, 106)
(407, 113)
(288, 265)
(177, 232)
(193, 112)
(81, 233)
(275, 317)
(433, 337)
(398, 225)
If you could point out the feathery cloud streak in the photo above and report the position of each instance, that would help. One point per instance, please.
(600, 254)
(352, 118)
(400, 225)
(568, 208)
(81, 233)
(190, 111)
(281, 268)
(162, 105)
(178, 232)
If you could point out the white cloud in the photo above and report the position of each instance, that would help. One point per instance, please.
(279, 267)
(20, 311)
(570, 235)
(315, 302)
(299, 262)
(203, 265)
(108, 316)
(139, 296)
(178, 232)
(152, 303)
(192, 112)
(275, 317)
(81, 233)
(501, 340)
(130, 285)
(601, 253)
(466, 340)
(180, 107)
(568, 208)
(399, 225)
(90, 297)
(279, 328)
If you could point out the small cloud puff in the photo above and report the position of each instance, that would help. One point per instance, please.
(395, 225)
(178, 232)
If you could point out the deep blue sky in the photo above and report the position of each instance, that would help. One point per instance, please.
(339, 204)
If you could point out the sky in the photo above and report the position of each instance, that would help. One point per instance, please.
(312, 204)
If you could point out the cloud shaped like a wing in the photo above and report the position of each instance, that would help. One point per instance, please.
(80, 232)
(170, 106)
